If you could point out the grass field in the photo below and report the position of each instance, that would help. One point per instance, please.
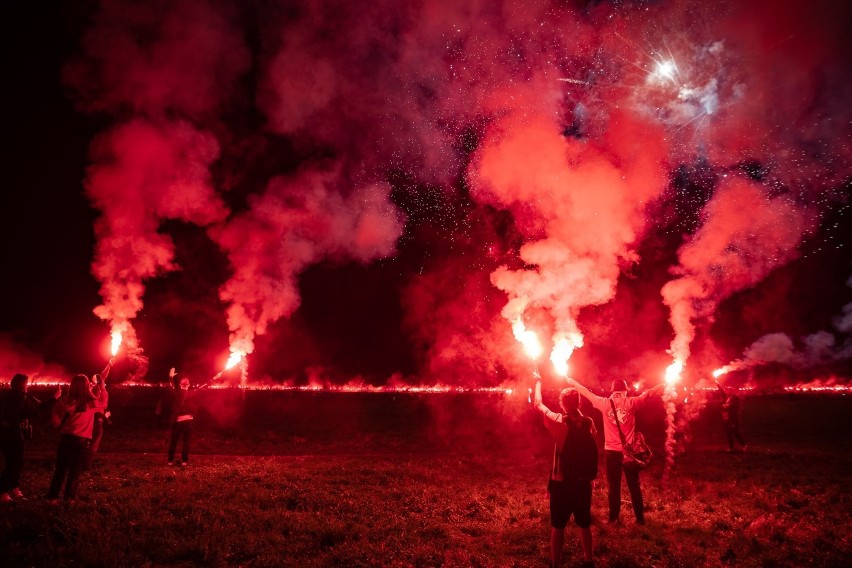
(295, 479)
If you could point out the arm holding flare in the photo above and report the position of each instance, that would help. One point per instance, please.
(537, 403)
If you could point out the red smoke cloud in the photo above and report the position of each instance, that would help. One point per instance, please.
(295, 223)
(746, 234)
(583, 205)
(142, 174)
(569, 119)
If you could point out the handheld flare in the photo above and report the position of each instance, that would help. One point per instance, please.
(673, 372)
(115, 342)
(528, 339)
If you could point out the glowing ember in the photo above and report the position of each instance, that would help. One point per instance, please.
(116, 342)
(527, 338)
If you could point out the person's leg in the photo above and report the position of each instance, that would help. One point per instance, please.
(560, 511)
(633, 485)
(583, 517)
(97, 434)
(735, 432)
(187, 433)
(613, 480)
(75, 467)
(729, 432)
(13, 457)
(557, 543)
(174, 440)
(61, 469)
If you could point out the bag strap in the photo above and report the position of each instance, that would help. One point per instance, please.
(618, 423)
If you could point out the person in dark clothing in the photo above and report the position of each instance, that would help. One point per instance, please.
(731, 405)
(17, 408)
(182, 417)
(570, 484)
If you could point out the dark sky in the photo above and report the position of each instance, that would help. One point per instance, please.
(354, 191)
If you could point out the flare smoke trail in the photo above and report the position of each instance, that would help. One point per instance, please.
(442, 135)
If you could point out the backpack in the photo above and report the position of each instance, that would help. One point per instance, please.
(578, 459)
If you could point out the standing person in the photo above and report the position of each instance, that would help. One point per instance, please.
(98, 384)
(625, 408)
(731, 405)
(17, 407)
(74, 415)
(182, 416)
(571, 472)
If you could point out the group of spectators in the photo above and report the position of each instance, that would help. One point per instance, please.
(79, 414)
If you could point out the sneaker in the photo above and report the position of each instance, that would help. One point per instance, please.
(171, 463)
(17, 495)
(6, 498)
(183, 464)
(53, 502)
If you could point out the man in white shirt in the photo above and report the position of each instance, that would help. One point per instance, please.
(625, 410)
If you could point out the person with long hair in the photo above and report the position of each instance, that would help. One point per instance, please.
(98, 384)
(74, 415)
(17, 408)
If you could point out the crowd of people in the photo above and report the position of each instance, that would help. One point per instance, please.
(79, 415)
(81, 412)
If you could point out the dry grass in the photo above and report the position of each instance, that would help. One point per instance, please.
(786, 503)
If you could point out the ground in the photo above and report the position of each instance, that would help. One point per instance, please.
(300, 479)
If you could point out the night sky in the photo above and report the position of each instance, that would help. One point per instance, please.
(374, 191)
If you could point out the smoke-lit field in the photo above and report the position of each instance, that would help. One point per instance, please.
(325, 479)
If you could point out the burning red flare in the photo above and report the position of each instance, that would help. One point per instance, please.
(528, 339)
(673, 372)
(563, 348)
(234, 360)
(115, 342)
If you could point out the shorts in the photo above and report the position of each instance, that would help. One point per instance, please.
(570, 498)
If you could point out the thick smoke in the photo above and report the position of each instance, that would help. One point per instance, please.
(160, 67)
(295, 223)
(17, 358)
(570, 119)
(746, 234)
(142, 174)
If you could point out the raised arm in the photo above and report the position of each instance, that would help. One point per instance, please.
(582, 390)
(654, 390)
(539, 405)
(105, 373)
